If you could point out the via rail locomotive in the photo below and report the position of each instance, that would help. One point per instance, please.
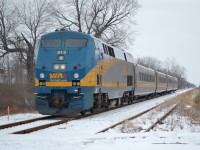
(76, 72)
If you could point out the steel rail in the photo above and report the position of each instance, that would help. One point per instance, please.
(43, 126)
(25, 122)
(162, 118)
(131, 118)
(59, 122)
(33, 129)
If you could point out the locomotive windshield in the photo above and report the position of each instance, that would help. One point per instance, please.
(76, 43)
(37, 48)
(51, 43)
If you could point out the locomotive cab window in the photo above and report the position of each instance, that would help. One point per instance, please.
(51, 43)
(76, 43)
(111, 51)
(108, 50)
(105, 48)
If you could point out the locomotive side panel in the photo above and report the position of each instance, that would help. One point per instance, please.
(118, 79)
(115, 70)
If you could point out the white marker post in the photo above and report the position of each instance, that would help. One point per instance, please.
(8, 112)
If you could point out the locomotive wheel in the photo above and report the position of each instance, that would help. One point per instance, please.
(117, 104)
(91, 110)
(108, 105)
(147, 97)
(83, 113)
(132, 101)
(129, 102)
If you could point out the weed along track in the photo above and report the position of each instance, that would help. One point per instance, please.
(141, 114)
(131, 118)
(162, 118)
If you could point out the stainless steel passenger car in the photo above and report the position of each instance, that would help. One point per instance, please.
(170, 85)
(145, 81)
(161, 84)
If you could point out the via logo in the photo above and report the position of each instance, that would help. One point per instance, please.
(58, 75)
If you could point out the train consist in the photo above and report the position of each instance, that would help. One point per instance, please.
(76, 72)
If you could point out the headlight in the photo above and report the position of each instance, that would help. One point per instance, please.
(42, 75)
(76, 75)
(59, 66)
(73, 83)
(62, 67)
(61, 57)
(56, 67)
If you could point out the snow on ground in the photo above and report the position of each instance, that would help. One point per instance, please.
(80, 134)
(18, 117)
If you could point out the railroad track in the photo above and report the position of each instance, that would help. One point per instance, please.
(29, 130)
(41, 127)
(140, 114)
(33, 129)
(162, 118)
(25, 122)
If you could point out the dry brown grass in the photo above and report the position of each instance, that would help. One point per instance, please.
(190, 106)
(129, 127)
(17, 98)
(188, 111)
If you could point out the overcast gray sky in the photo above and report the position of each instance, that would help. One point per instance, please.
(170, 29)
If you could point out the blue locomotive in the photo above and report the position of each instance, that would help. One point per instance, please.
(76, 72)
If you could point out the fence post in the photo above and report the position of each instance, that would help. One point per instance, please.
(8, 113)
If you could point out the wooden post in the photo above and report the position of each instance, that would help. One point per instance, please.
(8, 113)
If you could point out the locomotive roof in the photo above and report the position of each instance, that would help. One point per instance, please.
(117, 50)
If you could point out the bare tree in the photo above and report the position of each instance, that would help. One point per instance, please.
(169, 66)
(150, 62)
(173, 68)
(35, 20)
(8, 23)
(21, 25)
(106, 19)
